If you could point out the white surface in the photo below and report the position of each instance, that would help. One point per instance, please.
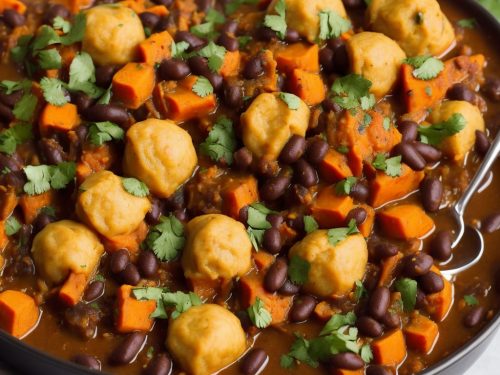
(488, 363)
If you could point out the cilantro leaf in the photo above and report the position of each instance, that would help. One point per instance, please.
(337, 321)
(11, 226)
(408, 290)
(182, 302)
(492, 5)
(360, 291)
(49, 59)
(298, 270)
(16, 135)
(233, 5)
(25, 108)
(257, 223)
(77, 30)
(12, 86)
(467, 23)
(387, 123)
(19, 53)
(101, 132)
(259, 315)
(391, 166)
(277, 22)
(204, 30)
(353, 91)
(426, 67)
(215, 17)
(214, 54)
(310, 224)
(82, 76)
(221, 141)
(470, 300)
(436, 133)
(60, 23)
(344, 187)
(166, 239)
(366, 353)
(299, 351)
(244, 40)
(53, 91)
(178, 49)
(62, 174)
(203, 87)
(291, 100)
(135, 187)
(154, 294)
(46, 36)
(337, 235)
(332, 25)
(42, 178)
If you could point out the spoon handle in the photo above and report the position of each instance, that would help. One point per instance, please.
(488, 161)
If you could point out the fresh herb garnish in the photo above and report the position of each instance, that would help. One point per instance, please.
(11, 226)
(221, 141)
(298, 270)
(391, 166)
(179, 301)
(436, 133)
(258, 314)
(353, 91)
(203, 87)
(470, 300)
(166, 239)
(426, 67)
(14, 136)
(337, 235)
(135, 187)
(291, 100)
(101, 132)
(214, 54)
(332, 25)
(277, 22)
(257, 223)
(42, 178)
(310, 224)
(408, 290)
(344, 187)
(467, 23)
(360, 291)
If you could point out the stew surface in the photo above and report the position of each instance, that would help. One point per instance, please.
(244, 186)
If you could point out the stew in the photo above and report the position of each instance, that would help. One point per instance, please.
(244, 186)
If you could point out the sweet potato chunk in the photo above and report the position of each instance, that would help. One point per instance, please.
(133, 315)
(405, 221)
(133, 84)
(390, 349)
(18, 313)
(330, 209)
(421, 333)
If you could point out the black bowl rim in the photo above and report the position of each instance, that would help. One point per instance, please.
(20, 351)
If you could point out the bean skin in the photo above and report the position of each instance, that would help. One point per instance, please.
(53, 11)
(384, 250)
(440, 246)
(292, 35)
(82, 101)
(193, 41)
(492, 89)
(13, 19)
(253, 68)
(341, 60)
(51, 151)
(233, 96)
(215, 79)
(6, 113)
(198, 65)
(461, 92)
(94, 290)
(359, 214)
(104, 75)
(369, 326)
(475, 316)
(347, 361)
(130, 275)
(428, 152)
(360, 192)
(119, 260)
(174, 69)
(128, 349)
(379, 302)
(378, 370)
(431, 283)
(289, 289)
(147, 263)
(409, 131)
(230, 27)
(316, 151)
(149, 20)
(410, 156)
(302, 308)
(242, 158)
(293, 149)
(417, 265)
(274, 187)
(482, 143)
(11, 100)
(41, 221)
(253, 361)
(276, 275)
(431, 192)
(391, 320)
(155, 212)
(491, 223)
(87, 361)
(107, 112)
(228, 42)
(326, 59)
(275, 219)
(305, 174)
(161, 365)
(271, 240)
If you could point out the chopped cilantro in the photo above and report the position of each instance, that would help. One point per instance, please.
(221, 141)
(179, 49)
(408, 290)
(277, 22)
(391, 166)
(215, 17)
(42, 178)
(492, 5)
(310, 224)
(470, 300)
(291, 100)
(54, 91)
(436, 133)
(203, 87)
(215, 56)
(337, 321)
(16, 135)
(49, 59)
(82, 76)
(344, 187)
(204, 30)
(367, 120)
(343, 149)
(298, 270)
(101, 132)
(467, 23)
(353, 91)
(257, 223)
(60, 23)
(46, 36)
(99, 277)
(299, 351)
(135, 187)
(426, 67)
(387, 123)
(25, 108)
(244, 40)
(332, 25)
(366, 353)
(77, 30)
(166, 239)
(258, 314)
(360, 291)
(179, 301)
(11, 226)
(233, 5)
(337, 235)
(428, 90)
(12, 86)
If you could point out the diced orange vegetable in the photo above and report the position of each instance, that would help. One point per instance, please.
(405, 221)
(133, 84)
(390, 349)
(32, 204)
(159, 10)
(18, 313)
(4, 240)
(182, 103)
(324, 311)
(298, 56)
(76, 5)
(72, 291)
(238, 194)
(205, 289)
(307, 86)
(421, 333)
(367, 226)
(133, 315)
(439, 304)
(388, 267)
(231, 65)
(16, 5)
(156, 48)
(421, 95)
(334, 166)
(94, 159)
(68, 53)
(330, 209)
(251, 287)
(262, 260)
(136, 5)
(384, 188)
(131, 242)
(340, 371)
(63, 118)
(8, 201)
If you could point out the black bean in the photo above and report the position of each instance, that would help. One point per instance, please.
(274, 187)
(379, 302)
(203, 5)
(384, 250)
(492, 89)
(53, 11)
(475, 316)
(216, 80)
(271, 240)
(431, 192)
(378, 370)
(253, 361)
(81, 132)
(198, 65)
(245, 321)
(11, 100)
(161, 365)
(176, 201)
(6, 113)
(326, 59)
(276, 275)
(275, 219)
(128, 349)
(243, 214)
(253, 68)
(317, 150)
(193, 41)
(107, 112)
(230, 27)
(119, 260)
(41, 221)
(13, 18)
(181, 215)
(173, 70)
(292, 35)
(410, 156)
(346, 361)
(302, 308)
(165, 23)
(130, 275)
(360, 192)
(341, 60)
(51, 151)
(409, 131)
(11, 162)
(420, 299)
(242, 158)
(87, 361)
(429, 153)
(391, 320)
(93, 291)
(266, 34)
(296, 223)
(82, 101)
(289, 289)
(330, 106)
(149, 20)
(482, 143)
(359, 215)
(155, 212)
(167, 3)
(369, 327)
(431, 283)
(460, 92)
(147, 263)
(233, 96)
(417, 264)
(351, 4)
(491, 223)
(104, 75)
(228, 42)
(305, 174)
(293, 150)
(440, 246)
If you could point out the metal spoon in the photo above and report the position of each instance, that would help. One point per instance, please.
(469, 251)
